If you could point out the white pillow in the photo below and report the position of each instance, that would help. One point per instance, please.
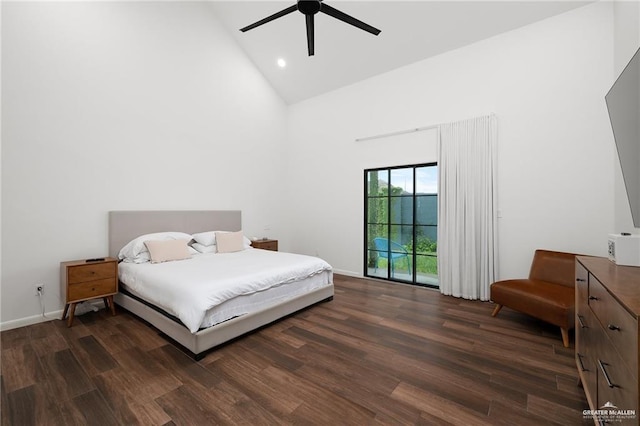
(167, 250)
(209, 238)
(229, 242)
(205, 238)
(136, 252)
(200, 248)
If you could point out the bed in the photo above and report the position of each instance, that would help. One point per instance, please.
(233, 316)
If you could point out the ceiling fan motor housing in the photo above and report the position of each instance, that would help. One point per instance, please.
(309, 7)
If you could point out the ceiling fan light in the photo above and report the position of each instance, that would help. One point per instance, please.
(281, 63)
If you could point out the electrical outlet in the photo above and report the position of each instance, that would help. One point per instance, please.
(39, 289)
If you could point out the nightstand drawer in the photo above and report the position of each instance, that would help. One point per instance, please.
(91, 272)
(265, 244)
(271, 245)
(91, 289)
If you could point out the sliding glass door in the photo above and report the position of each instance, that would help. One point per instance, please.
(401, 224)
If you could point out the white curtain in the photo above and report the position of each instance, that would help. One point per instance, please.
(467, 227)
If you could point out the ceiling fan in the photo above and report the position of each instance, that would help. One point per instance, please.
(310, 8)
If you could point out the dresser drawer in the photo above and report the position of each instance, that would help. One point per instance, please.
(615, 384)
(619, 325)
(91, 272)
(588, 331)
(91, 289)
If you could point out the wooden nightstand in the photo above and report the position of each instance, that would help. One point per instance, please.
(81, 280)
(265, 244)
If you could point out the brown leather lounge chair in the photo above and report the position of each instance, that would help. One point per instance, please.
(548, 293)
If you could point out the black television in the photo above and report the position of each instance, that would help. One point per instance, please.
(623, 104)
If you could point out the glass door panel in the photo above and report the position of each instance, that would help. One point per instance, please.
(401, 212)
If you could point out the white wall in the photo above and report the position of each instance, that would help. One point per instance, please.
(114, 106)
(545, 82)
(123, 106)
(626, 18)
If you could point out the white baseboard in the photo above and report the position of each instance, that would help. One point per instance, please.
(35, 319)
(348, 273)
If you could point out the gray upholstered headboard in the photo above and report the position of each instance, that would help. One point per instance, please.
(124, 226)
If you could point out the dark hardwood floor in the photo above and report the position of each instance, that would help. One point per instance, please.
(379, 353)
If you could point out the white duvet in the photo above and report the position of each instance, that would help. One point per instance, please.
(188, 288)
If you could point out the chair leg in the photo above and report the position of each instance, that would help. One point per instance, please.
(565, 337)
(496, 310)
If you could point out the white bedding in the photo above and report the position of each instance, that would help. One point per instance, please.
(189, 288)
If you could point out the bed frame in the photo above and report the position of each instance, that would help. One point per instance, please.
(127, 225)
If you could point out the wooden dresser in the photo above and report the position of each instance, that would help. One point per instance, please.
(607, 311)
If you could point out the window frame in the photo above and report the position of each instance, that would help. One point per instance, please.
(389, 224)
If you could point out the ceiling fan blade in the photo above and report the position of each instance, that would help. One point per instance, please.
(280, 14)
(331, 11)
(310, 41)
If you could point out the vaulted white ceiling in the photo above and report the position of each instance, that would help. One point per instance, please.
(411, 31)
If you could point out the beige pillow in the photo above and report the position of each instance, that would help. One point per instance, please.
(165, 251)
(228, 242)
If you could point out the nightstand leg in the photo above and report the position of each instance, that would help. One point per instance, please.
(73, 310)
(113, 307)
(66, 309)
(106, 302)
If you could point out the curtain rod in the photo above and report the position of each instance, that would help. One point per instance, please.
(400, 132)
(403, 132)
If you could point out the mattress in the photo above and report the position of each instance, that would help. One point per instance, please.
(211, 288)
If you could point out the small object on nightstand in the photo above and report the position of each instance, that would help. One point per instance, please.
(88, 279)
(265, 244)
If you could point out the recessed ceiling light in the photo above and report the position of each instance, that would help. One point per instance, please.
(282, 63)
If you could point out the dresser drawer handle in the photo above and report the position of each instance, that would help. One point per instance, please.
(580, 280)
(613, 327)
(593, 298)
(582, 324)
(606, 376)
(580, 361)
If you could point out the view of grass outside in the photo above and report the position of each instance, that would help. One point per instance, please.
(424, 265)
(427, 255)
